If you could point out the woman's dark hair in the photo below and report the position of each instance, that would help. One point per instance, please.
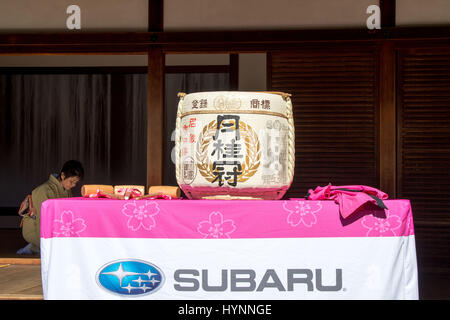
(73, 168)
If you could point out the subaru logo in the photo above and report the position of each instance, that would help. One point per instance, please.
(130, 277)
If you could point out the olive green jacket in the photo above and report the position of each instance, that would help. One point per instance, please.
(51, 189)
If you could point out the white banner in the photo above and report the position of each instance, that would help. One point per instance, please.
(223, 269)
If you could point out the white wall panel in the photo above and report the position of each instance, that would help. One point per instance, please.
(264, 14)
(98, 15)
(419, 12)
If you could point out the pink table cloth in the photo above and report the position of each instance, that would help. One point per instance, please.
(370, 255)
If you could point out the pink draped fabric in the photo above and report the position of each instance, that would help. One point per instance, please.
(191, 219)
(350, 198)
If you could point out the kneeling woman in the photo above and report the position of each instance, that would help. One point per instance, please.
(57, 186)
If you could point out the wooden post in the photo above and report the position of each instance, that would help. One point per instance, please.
(155, 15)
(387, 8)
(234, 71)
(155, 94)
(155, 117)
(388, 107)
(388, 120)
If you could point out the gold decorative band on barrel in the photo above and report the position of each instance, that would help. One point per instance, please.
(283, 94)
(267, 113)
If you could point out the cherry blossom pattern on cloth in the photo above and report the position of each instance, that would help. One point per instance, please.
(302, 212)
(140, 214)
(216, 227)
(382, 227)
(68, 226)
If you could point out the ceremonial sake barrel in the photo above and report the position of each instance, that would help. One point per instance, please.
(234, 145)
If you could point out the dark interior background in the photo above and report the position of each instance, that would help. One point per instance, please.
(49, 117)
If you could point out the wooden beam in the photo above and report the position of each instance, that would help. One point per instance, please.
(221, 41)
(387, 11)
(75, 43)
(73, 70)
(388, 119)
(155, 15)
(262, 41)
(155, 117)
(196, 69)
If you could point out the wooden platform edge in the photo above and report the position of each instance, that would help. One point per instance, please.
(31, 261)
(21, 297)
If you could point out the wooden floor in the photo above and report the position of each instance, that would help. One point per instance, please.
(20, 276)
(20, 281)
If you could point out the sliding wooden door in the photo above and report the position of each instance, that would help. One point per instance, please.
(423, 155)
(335, 100)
